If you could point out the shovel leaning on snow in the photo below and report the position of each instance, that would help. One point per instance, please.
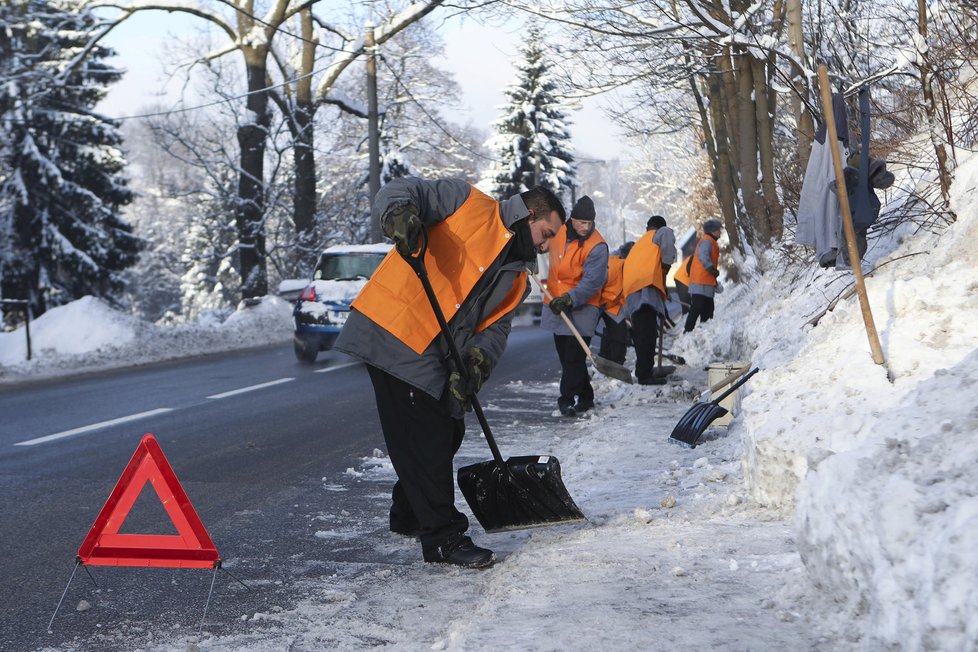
(605, 366)
(698, 418)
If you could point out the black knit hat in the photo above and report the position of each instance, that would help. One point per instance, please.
(655, 222)
(583, 209)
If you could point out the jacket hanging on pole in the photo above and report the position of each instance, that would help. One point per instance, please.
(818, 207)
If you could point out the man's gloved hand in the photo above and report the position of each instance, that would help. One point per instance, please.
(563, 303)
(456, 385)
(402, 225)
(713, 271)
(477, 372)
(477, 366)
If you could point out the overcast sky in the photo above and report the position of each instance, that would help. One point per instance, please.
(479, 56)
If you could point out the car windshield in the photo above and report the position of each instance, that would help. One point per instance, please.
(347, 266)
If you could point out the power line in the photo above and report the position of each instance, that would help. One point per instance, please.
(432, 118)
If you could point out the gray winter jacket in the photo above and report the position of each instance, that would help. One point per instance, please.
(365, 340)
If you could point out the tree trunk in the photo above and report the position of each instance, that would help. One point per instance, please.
(724, 177)
(804, 125)
(930, 105)
(770, 224)
(250, 210)
(303, 152)
(750, 188)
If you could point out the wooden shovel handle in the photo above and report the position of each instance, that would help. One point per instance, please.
(840, 187)
(570, 324)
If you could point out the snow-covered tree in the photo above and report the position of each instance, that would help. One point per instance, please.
(61, 172)
(531, 143)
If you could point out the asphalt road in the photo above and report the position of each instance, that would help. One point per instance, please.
(253, 436)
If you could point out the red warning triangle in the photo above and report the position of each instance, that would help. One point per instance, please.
(191, 547)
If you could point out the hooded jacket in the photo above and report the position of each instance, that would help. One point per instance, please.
(479, 285)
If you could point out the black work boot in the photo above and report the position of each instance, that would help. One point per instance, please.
(566, 408)
(459, 551)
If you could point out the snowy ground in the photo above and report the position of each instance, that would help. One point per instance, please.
(838, 512)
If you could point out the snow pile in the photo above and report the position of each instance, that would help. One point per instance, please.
(881, 459)
(88, 335)
(83, 326)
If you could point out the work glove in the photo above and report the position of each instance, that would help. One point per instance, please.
(563, 303)
(713, 271)
(456, 385)
(402, 225)
(477, 372)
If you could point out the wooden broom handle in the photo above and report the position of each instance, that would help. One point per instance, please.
(570, 324)
(840, 187)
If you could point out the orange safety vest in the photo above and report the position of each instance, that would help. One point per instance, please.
(643, 267)
(682, 275)
(567, 264)
(697, 272)
(460, 249)
(612, 297)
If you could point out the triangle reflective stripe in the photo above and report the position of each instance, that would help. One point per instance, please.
(191, 547)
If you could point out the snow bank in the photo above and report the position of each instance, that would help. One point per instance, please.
(889, 527)
(82, 326)
(87, 335)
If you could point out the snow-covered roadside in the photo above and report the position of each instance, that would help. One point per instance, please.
(705, 572)
(88, 335)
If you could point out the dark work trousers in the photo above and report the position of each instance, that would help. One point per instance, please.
(574, 379)
(700, 307)
(614, 340)
(645, 334)
(422, 439)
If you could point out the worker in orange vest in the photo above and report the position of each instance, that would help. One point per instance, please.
(614, 338)
(703, 272)
(578, 271)
(644, 286)
(480, 251)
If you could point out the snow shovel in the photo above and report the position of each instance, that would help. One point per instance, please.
(698, 418)
(521, 492)
(604, 365)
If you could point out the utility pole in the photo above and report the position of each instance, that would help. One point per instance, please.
(373, 135)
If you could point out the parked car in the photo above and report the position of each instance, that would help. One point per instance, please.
(324, 304)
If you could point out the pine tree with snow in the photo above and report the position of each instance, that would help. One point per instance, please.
(531, 144)
(61, 171)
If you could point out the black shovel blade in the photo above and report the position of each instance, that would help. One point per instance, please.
(696, 420)
(663, 371)
(612, 369)
(527, 492)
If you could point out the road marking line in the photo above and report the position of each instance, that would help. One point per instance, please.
(94, 426)
(342, 366)
(235, 392)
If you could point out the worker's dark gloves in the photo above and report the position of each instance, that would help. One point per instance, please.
(477, 370)
(563, 303)
(477, 366)
(456, 385)
(402, 225)
(714, 271)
